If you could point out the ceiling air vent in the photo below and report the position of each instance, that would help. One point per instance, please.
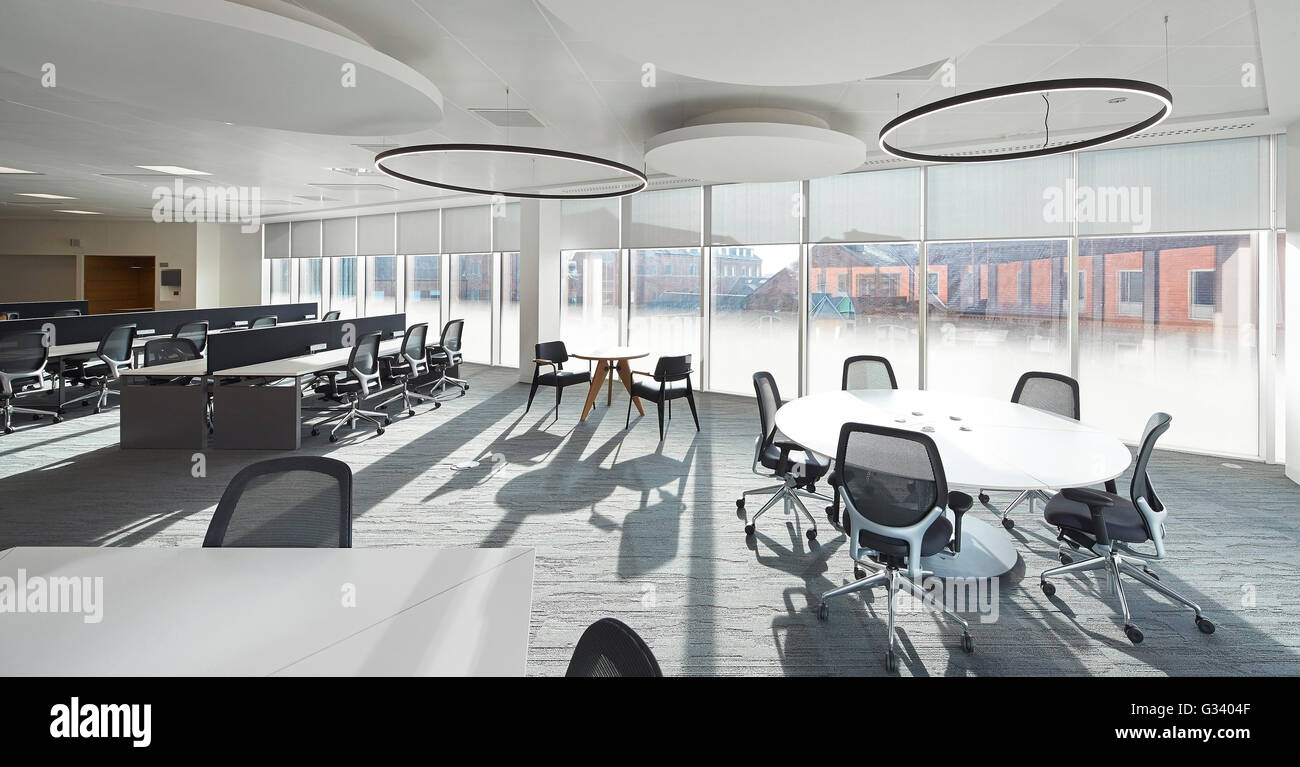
(355, 187)
(376, 148)
(923, 73)
(509, 118)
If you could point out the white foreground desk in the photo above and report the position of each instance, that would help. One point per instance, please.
(277, 612)
(985, 444)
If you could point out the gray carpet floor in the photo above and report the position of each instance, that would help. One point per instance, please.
(648, 532)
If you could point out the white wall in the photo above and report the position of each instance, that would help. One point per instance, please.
(38, 278)
(228, 266)
(539, 278)
(1292, 256)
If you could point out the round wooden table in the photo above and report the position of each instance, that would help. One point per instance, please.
(611, 360)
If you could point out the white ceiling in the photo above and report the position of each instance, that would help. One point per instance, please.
(590, 98)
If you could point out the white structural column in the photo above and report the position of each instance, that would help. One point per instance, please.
(539, 278)
(1292, 308)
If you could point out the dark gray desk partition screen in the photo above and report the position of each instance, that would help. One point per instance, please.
(249, 347)
(79, 330)
(27, 309)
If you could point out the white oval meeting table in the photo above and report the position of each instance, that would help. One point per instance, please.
(985, 444)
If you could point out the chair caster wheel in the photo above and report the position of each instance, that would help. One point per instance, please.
(1065, 558)
(334, 438)
(967, 643)
(9, 430)
(891, 661)
(1204, 625)
(97, 410)
(984, 497)
(58, 419)
(437, 405)
(1008, 522)
(859, 573)
(812, 534)
(830, 516)
(823, 611)
(749, 531)
(388, 421)
(1047, 588)
(379, 432)
(411, 411)
(315, 432)
(466, 387)
(1133, 634)
(740, 503)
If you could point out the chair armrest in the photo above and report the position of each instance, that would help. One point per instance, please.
(1088, 497)
(543, 362)
(643, 373)
(958, 503)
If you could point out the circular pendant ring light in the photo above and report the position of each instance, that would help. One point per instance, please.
(1104, 84)
(636, 178)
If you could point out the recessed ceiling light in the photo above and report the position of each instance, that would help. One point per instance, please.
(80, 212)
(355, 171)
(174, 170)
(3, 169)
(44, 196)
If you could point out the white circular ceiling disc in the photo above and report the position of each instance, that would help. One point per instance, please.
(786, 147)
(783, 42)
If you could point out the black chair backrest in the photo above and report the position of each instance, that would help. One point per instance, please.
(769, 401)
(14, 316)
(196, 332)
(116, 343)
(332, 315)
(1050, 392)
(1141, 487)
(670, 369)
(23, 354)
(165, 350)
(365, 355)
(868, 371)
(268, 321)
(451, 335)
(296, 502)
(67, 313)
(414, 341)
(610, 648)
(555, 351)
(893, 477)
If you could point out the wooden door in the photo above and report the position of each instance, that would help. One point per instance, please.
(119, 283)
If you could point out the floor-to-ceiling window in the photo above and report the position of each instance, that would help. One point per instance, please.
(509, 320)
(310, 274)
(1279, 350)
(471, 301)
(424, 292)
(664, 291)
(589, 296)
(281, 281)
(381, 285)
(343, 286)
(754, 269)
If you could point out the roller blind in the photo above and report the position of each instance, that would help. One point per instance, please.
(757, 214)
(340, 237)
(467, 230)
(275, 242)
(866, 207)
(995, 199)
(375, 235)
(1201, 186)
(418, 232)
(668, 218)
(306, 239)
(505, 228)
(589, 224)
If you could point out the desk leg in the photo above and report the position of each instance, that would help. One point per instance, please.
(62, 368)
(602, 369)
(625, 373)
(609, 393)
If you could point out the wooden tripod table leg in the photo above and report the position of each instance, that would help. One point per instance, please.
(596, 381)
(625, 373)
(609, 394)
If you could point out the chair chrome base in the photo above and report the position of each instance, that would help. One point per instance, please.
(1025, 495)
(1115, 566)
(889, 575)
(407, 394)
(443, 382)
(786, 491)
(349, 416)
(10, 409)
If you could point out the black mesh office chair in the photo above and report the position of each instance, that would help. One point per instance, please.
(114, 354)
(13, 316)
(864, 372)
(331, 315)
(895, 498)
(165, 351)
(446, 355)
(671, 380)
(408, 364)
(1051, 393)
(1099, 529)
(554, 354)
(67, 313)
(782, 458)
(196, 332)
(22, 367)
(267, 321)
(296, 502)
(609, 648)
(361, 381)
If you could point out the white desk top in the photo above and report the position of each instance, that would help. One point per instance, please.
(306, 364)
(258, 612)
(89, 347)
(171, 369)
(1005, 446)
